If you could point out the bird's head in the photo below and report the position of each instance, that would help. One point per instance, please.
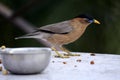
(85, 18)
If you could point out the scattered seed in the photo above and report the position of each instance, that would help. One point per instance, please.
(75, 65)
(78, 60)
(65, 54)
(92, 54)
(53, 61)
(56, 56)
(3, 47)
(4, 72)
(92, 62)
(64, 63)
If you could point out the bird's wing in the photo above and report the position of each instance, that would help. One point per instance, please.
(57, 28)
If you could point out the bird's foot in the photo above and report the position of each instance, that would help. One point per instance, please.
(61, 56)
(70, 54)
(58, 54)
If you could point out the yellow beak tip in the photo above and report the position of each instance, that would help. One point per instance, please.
(96, 21)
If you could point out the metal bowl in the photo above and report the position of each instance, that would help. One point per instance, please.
(25, 60)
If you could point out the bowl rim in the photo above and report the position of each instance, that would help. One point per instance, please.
(10, 50)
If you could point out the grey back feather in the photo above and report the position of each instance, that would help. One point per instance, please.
(61, 27)
(57, 28)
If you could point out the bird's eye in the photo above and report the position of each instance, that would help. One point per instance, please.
(88, 20)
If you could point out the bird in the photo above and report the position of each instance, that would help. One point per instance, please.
(63, 33)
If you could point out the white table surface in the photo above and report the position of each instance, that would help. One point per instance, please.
(106, 67)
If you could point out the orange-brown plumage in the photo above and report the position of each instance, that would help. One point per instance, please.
(78, 30)
(62, 33)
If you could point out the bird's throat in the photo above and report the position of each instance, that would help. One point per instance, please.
(78, 29)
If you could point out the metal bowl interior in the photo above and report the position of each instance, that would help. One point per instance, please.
(25, 60)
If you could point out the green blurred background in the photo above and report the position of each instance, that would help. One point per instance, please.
(104, 38)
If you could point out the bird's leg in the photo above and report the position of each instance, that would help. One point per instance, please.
(58, 54)
(69, 53)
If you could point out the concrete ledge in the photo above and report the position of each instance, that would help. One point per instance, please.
(103, 67)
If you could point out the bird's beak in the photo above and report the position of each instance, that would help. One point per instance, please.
(96, 21)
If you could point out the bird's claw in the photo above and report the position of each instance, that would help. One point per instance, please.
(61, 56)
(58, 54)
(70, 54)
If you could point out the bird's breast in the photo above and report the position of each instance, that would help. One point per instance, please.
(61, 39)
(75, 34)
(66, 38)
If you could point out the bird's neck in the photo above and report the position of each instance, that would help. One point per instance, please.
(78, 24)
(78, 28)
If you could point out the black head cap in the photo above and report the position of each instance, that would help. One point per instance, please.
(89, 17)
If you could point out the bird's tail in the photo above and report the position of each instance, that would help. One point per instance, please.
(30, 35)
(37, 35)
(21, 37)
